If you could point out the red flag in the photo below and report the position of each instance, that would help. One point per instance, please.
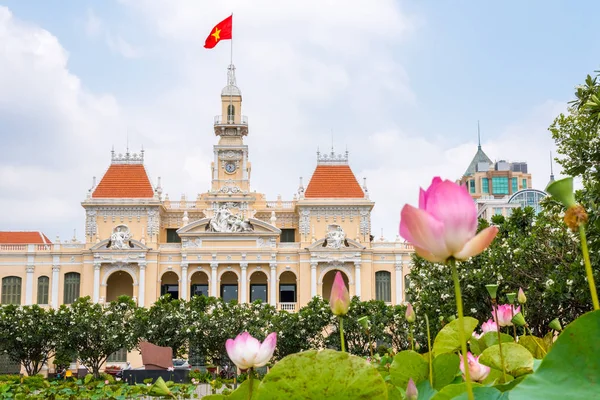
(221, 31)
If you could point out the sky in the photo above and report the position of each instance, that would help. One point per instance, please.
(399, 84)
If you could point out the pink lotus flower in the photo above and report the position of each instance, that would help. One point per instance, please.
(489, 326)
(247, 352)
(340, 298)
(477, 372)
(505, 314)
(445, 223)
(106, 382)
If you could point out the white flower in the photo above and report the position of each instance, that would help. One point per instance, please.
(549, 282)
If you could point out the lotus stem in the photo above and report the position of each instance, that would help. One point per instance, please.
(341, 318)
(495, 308)
(430, 351)
(461, 327)
(250, 381)
(588, 267)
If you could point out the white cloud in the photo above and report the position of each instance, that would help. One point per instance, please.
(305, 69)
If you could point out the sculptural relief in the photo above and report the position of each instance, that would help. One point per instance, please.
(225, 221)
(336, 237)
(120, 239)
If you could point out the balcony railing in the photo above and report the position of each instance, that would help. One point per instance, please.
(289, 245)
(287, 306)
(178, 205)
(13, 247)
(219, 120)
(35, 247)
(281, 204)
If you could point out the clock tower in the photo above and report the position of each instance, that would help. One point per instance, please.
(231, 168)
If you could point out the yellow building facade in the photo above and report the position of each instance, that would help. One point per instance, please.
(229, 242)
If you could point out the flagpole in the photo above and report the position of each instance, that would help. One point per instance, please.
(232, 71)
(231, 55)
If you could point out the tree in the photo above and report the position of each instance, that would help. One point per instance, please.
(28, 335)
(304, 330)
(164, 324)
(538, 254)
(577, 136)
(357, 340)
(96, 331)
(218, 321)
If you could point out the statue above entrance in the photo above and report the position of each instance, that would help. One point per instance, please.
(120, 238)
(336, 237)
(225, 221)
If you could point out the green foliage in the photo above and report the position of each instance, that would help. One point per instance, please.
(28, 334)
(447, 340)
(163, 324)
(517, 359)
(325, 374)
(408, 364)
(90, 389)
(538, 254)
(95, 331)
(571, 369)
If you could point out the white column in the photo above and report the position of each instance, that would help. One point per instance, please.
(96, 294)
(313, 279)
(399, 282)
(142, 285)
(244, 165)
(216, 163)
(273, 285)
(244, 283)
(184, 281)
(213, 279)
(55, 278)
(357, 278)
(29, 285)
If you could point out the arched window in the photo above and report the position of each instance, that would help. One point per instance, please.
(230, 113)
(11, 290)
(383, 286)
(71, 291)
(43, 287)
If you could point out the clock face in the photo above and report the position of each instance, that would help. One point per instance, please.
(230, 167)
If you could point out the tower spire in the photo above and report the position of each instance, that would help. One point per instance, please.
(478, 136)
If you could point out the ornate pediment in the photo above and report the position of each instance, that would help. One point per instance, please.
(130, 245)
(239, 227)
(348, 245)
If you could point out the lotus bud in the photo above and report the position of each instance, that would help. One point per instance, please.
(519, 320)
(492, 290)
(555, 324)
(511, 297)
(417, 346)
(410, 314)
(340, 298)
(411, 390)
(521, 297)
(562, 190)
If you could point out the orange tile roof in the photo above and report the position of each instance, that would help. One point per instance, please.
(333, 181)
(124, 181)
(24, 238)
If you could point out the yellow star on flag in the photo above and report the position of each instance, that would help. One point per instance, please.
(217, 34)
